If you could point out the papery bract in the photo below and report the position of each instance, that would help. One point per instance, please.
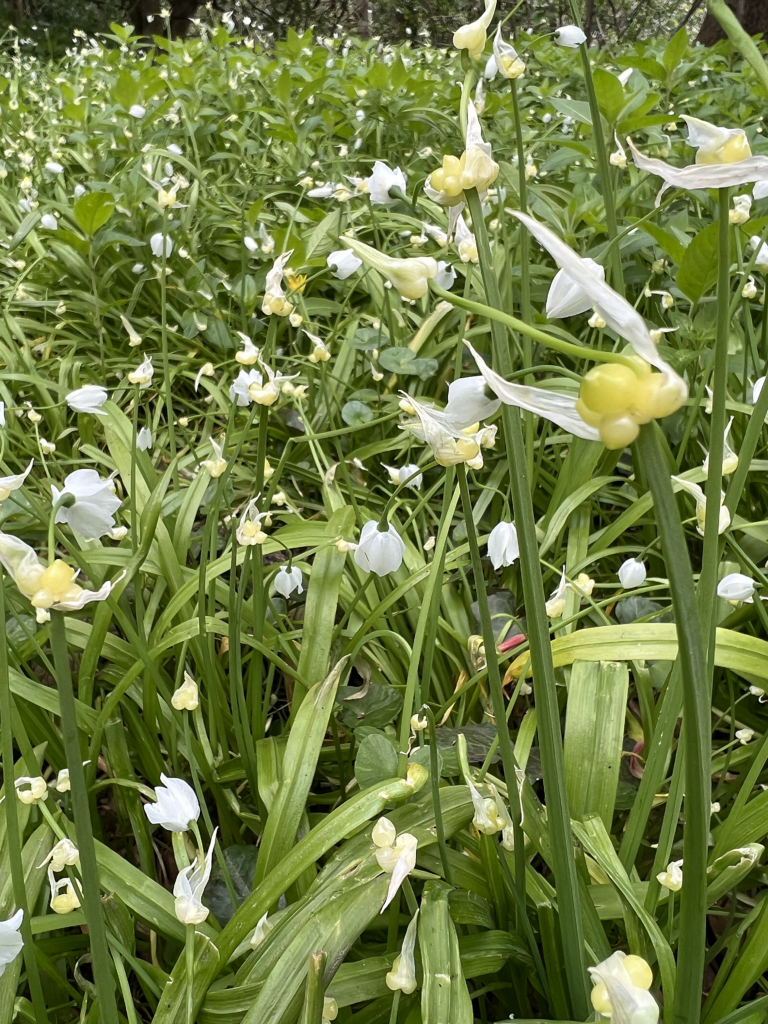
(402, 977)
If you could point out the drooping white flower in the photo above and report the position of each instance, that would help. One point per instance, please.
(381, 181)
(379, 551)
(62, 902)
(187, 696)
(402, 977)
(745, 735)
(567, 297)
(49, 222)
(289, 580)
(190, 885)
(320, 352)
(383, 833)
(736, 588)
(11, 942)
(697, 494)
(440, 236)
(476, 168)
(621, 990)
(8, 484)
(445, 276)
(715, 145)
(64, 854)
(556, 604)
(632, 574)
(143, 374)
(250, 243)
(503, 548)
(505, 57)
(249, 354)
(175, 807)
(625, 76)
(160, 245)
(88, 399)
(730, 458)
(672, 878)
(741, 207)
(54, 167)
(91, 513)
(266, 241)
(268, 394)
(249, 531)
(465, 242)
(62, 783)
(472, 37)
(619, 157)
(274, 296)
(31, 789)
(757, 387)
(486, 818)
(397, 858)
(408, 474)
(137, 110)
(134, 338)
(570, 36)
(240, 389)
(410, 276)
(144, 439)
(261, 931)
(218, 464)
(343, 263)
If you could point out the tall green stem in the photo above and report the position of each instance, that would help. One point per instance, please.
(105, 984)
(167, 388)
(696, 723)
(550, 736)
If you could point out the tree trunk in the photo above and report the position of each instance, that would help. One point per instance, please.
(182, 12)
(753, 15)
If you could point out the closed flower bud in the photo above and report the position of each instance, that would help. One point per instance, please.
(632, 574)
(186, 698)
(672, 878)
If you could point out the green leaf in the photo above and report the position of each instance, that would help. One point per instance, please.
(29, 222)
(376, 708)
(610, 94)
(671, 246)
(356, 414)
(403, 361)
(698, 269)
(93, 210)
(376, 760)
(125, 90)
(241, 865)
(675, 50)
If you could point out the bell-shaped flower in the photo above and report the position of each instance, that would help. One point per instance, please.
(240, 388)
(31, 789)
(445, 276)
(14, 482)
(249, 531)
(503, 548)
(632, 574)
(488, 818)
(407, 475)
(190, 885)
(476, 168)
(52, 587)
(63, 783)
(11, 942)
(134, 338)
(218, 464)
(64, 854)
(268, 394)
(723, 160)
(619, 156)
(274, 296)
(161, 245)
(88, 399)
(672, 878)
(736, 588)
(64, 898)
(409, 276)
(381, 181)
(320, 352)
(144, 439)
(176, 805)
(472, 37)
(396, 855)
(724, 520)
(745, 736)
(570, 36)
(555, 606)
(187, 696)
(249, 354)
(91, 505)
(143, 374)
(508, 64)
(289, 581)
(730, 458)
(620, 990)
(402, 977)
(465, 242)
(740, 212)
(379, 551)
(343, 263)
(569, 297)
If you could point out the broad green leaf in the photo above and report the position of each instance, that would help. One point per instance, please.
(376, 760)
(92, 211)
(610, 94)
(698, 269)
(675, 50)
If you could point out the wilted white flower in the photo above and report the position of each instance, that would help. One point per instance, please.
(570, 36)
(175, 807)
(289, 580)
(143, 373)
(274, 296)
(402, 977)
(556, 604)
(343, 263)
(619, 157)
(320, 352)
(730, 458)
(93, 502)
(249, 531)
(379, 551)
(261, 931)
(14, 482)
(134, 338)
(62, 783)
(736, 588)
(190, 885)
(187, 697)
(503, 548)
(381, 181)
(465, 242)
(672, 878)
(88, 399)
(249, 353)
(632, 574)
(62, 902)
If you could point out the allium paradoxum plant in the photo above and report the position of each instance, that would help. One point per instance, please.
(475, 168)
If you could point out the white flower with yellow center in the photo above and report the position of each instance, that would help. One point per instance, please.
(249, 531)
(143, 374)
(30, 790)
(90, 504)
(409, 276)
(64, 898)
(621, 990)
(218, 464)
(672, 878)
(187, 697)
(320, 352)
(473, 36)
(724, 519)
(730, 458)
(508, 64)
(476, 167)
(274, 296)
(134, 338)
(740, 212)
(64, 854)
(249, 354)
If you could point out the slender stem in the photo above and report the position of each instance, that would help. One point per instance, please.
(434, 772)
(167, 388)
(696, 723)
(189, 951)
(550, 736)
(84, 833)
(12, 828)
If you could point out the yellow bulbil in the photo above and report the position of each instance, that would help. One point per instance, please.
(733, 151)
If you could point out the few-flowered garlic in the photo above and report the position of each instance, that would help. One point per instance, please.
(476, 168)
(261, 931)
(49, 222)
(249, 531)
(30, 790)
(240, 389)
(740, 212)
(11, 942)
(90, 504)
(715, 145)
(176, 805)
(749, 291)
(745, 735)
(596, 321)
(8, 484)
(295, 319)
(187, 697)
(568, 297)
(730, 458)
(143, 374)
(320, 352)
(402, 977)
(381, 181)
(583, 585)
(724, 519)
(632, 574)
(672, 878)
(473, 36)
(619, 156)
(144, 439)
(407, 475)
(161, 245)
(379, 551)
(736, 588)
(274, 296)
(137, 110)
(288, 581)
(503, 547)
(64, 854)
(33, 416)
(397, 858)
(249, 353)
(505, 58)
(343, 263)
(47, 447)
(556, 604)
(266, 241)
(620, 990)
(465, 242)
(63, 783)
(218, 464)
(330, 1010)
(570, 36)
(344, 546)
(64, 898)
(384, 833)
(409, 276)
(758, 692)
(444, 278)
(190, 885)
(418, 724)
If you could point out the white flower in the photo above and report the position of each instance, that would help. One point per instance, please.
(440, 236)
(409, 276)
(49, 222)
(320, 352)
(190, 885)
(556, 604)
(503, 548)
(619, 157)
(62, 902)
(402, 977)
(266, 241)
(175, 807)
(379, 551)
(13, 483)
(274, 296)
(419, 724)
(261, 931)
(697, 494)
(730, 458)
(567, 297)
(249, 531)
(744, 736)
(187, 697)
(88, 399)
(383, 833)
(64, 854)
(465, 242)
(175, 150)
(408, 474)
(736, 588)
(240, 389)
(54, 167)
(289, 580)
(505, 58)
(715, 145)
(11, 942)
(62, 783)
(268, 394)
(472, 36)
(491, 68)
(757, 387)
(322, 191)
(381, 181)
(159, 244)
(250, 243)
(749, 291)
(570, 36)
(396, 857)
(249, 354)
(621, 990)
(445, 275)
(134, 338)
(29, 790)
(91, 514)
(143, 373)
(476, 168)
(137, 110)
(632, 574)
(343, 263)
(218, 463)
(672, 878)
(144, 439)
(740, 212)
(489, 818)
